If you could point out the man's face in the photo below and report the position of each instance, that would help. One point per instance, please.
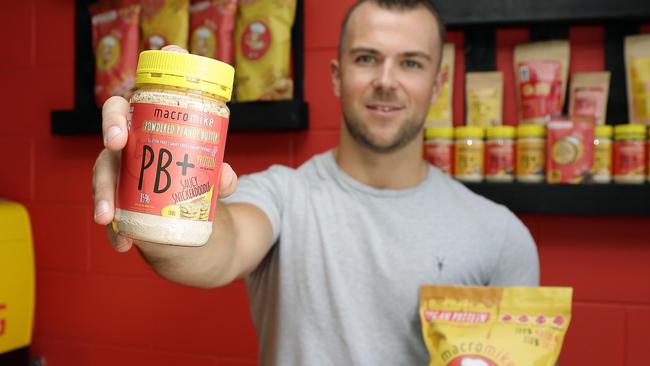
(386, 78)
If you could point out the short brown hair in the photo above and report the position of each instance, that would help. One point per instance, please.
(399, 5)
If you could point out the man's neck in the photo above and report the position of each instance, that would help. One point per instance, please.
(400, 169)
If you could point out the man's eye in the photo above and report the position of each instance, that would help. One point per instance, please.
(412, 64)
(365, 59)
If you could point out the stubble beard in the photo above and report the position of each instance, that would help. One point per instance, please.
(359, 131)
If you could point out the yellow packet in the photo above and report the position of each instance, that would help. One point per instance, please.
(637, 71)
(490, 326)
(440, 112)
(263, 50)
(164, 22)
(484, 98)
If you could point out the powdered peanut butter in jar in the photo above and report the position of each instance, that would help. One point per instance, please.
(171, 165)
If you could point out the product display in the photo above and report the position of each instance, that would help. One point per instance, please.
(500, 154)
(439, 147)
(489, 326)
(441, 112)
(601, 171)
(531, 153)
(169, 178)
(541, 71)
(164, 22)
(588, 96)
(469, 154)
(212, 26)
(570, 151)
(630, 154)
(115, 45)
(484, 98)
(263, 50)
(637, 67)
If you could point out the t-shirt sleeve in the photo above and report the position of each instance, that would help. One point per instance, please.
(267, 191)
(518, 262)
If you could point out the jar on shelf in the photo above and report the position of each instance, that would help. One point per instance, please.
(171, 165)
(500, 154)
(469, 153)
(439, 147)
(531, 153)
(602, 168)
(630, 157)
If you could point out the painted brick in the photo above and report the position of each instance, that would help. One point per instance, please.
(62, 310)
(17, 163)
(64, 168)
(638, 340)
(591, 255)
(203, 322)
(61, 353)
(311, 142)
(120, 311)
(587, 48)
(54, 20)
(324, 106)
(16, 20)
(322, 22)
(595, 336)
(110, 356)
(251, 152)
(60, 236)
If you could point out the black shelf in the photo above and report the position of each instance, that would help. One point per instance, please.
(250, 116)
(459, 13)
(561, 199)
(85, 118)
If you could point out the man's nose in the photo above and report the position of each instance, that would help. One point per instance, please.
(386, 76)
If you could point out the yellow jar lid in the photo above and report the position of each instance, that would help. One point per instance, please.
(186, 71)
(530, 130)
(507, 132)
(468, 132)
(629, 131)
(604, 131)
(438, 132)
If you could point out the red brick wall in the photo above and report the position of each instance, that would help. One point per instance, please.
(96, 307)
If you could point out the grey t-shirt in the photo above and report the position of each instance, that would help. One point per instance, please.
(340, 285)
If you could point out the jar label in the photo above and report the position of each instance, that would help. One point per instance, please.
(531, 158)
(602, 169)
(469, 160)
(499, 160)
(629, 158)
(172, 162)
(440, 155)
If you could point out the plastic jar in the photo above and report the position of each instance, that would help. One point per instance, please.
(500, 154)
(171, 165)
(439, 147)
(602, 168)
(531, 153)
(469, 154)
(630, 154)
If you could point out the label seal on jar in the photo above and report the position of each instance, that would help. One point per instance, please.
(172, 162)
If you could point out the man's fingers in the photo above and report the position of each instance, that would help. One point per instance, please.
(120, 243)
(228, 183)
(104, 184)
(114, 113)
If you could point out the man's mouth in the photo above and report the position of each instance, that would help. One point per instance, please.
(384, 107)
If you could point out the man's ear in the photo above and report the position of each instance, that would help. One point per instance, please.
(441, 78)
(335, 71)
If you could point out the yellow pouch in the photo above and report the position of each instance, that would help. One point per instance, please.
(164, 22)
(490, 326)
(263, 50)
(440, 112)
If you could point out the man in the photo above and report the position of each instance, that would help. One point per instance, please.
(335, 251)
